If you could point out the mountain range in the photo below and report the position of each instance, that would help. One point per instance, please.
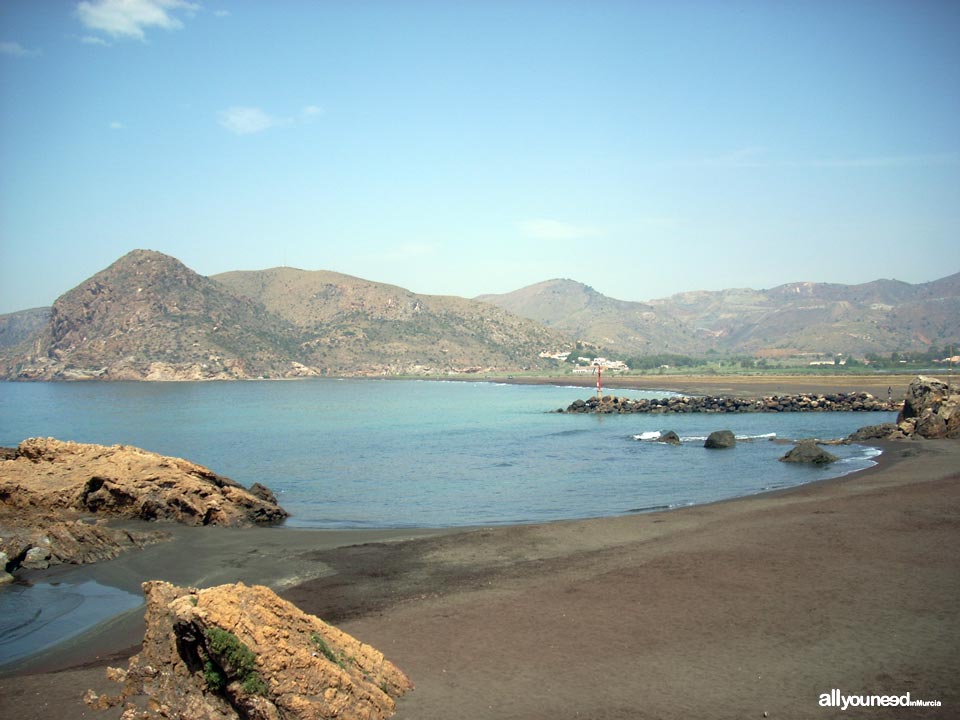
(882, 316)
(148, 316)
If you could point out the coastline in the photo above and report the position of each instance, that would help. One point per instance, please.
(849, 581)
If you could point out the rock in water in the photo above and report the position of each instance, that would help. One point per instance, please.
(807, 451)
(720, 439)
(669, 437)
(237, 651)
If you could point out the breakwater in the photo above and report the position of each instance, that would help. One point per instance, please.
(836, 402)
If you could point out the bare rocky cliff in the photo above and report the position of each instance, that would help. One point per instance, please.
(235, 651)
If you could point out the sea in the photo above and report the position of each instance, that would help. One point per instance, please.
(363, 454)
(427, 454)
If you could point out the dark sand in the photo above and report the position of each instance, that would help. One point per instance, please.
(728, 610)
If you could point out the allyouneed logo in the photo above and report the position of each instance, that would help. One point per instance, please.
(835, 699)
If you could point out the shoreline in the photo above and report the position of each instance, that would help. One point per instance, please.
(226, 552)
(396, 589)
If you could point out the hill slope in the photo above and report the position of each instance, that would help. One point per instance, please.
(879, 316)
(148, 316)
(349, 324)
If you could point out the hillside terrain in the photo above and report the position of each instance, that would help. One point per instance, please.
(347, 323)
(881, 316)
(149, 317)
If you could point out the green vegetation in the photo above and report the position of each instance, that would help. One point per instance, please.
(325, 650)
(229, 653)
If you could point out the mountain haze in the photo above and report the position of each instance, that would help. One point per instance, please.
(805, 317)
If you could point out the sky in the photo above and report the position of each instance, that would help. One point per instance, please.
(463, 147)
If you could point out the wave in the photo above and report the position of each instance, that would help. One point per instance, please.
(656, 434)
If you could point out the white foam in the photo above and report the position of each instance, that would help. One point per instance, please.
(649, 435)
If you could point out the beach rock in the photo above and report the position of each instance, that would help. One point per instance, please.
(235, 651)
(720, 439)
(126, 482)
(884, 431)
(5, 577)
(931, 409)
(808, 451)
(65, 538)
(669, 437)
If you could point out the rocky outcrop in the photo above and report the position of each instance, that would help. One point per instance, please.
(235, 651)
(38, 540)
(835, 402)
(931, 409)
(127, 482)
(720, 440)
(808, 451)
(55, 497)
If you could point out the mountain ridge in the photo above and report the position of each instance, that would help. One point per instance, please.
(148, 316)
(800, 317)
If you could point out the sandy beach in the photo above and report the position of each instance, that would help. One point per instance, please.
(730, 610)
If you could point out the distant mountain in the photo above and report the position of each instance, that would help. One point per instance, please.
(879, 316)
(19, 327)
(349, 324)
(580, 311)
(148, 316)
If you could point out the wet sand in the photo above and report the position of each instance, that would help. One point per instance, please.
(730, 610)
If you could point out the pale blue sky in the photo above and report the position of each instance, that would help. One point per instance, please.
(644, 148)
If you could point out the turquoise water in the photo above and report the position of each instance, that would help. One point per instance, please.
(370, 453)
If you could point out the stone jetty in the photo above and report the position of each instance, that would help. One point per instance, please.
(836, 402)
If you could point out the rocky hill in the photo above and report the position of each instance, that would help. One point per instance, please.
(149, 317)
(347, 323)
(879, 316)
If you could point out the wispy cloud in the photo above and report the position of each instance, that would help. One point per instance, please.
(886, 161)
(115, 125)
(546, 229)
(760, 157)
(221, 13)
(243, 120)
(131, 18)
(15, 49)
(94, 40)
(248, 120)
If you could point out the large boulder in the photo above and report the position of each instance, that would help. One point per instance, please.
(931, 409)
(670, 437)
(883, 431)
(720, 439)
(235, 651)
(808, 451)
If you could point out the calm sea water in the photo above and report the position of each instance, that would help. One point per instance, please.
(387, 454)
